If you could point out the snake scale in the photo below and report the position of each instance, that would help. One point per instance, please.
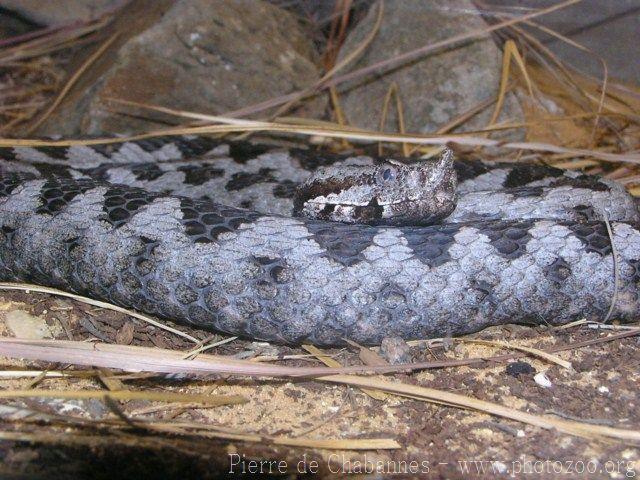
(204, 233)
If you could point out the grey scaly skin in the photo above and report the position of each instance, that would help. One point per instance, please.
(271, 276)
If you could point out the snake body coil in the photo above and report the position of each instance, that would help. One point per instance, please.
(212, 242)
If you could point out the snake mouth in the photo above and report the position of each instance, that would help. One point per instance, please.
(378, 203)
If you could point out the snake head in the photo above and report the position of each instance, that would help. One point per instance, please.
(390, 192)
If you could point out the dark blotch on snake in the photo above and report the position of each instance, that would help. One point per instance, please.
(558, 271)
(521, 175)
(242, 180)
(199, 175)
(46, 170)
(312, 159)
(509, 239)
(469, 169)
(53, 152)
(431, 244)
(57, 193)
(8, 184)
(204, 221)
(8, 153)
(342, 243)
(147, 171)
(285, 189)
(594, 237)
(590, 182)
(586, 213)
(242, 152)
(122, 202)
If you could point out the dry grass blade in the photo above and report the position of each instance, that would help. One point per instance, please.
(109, 380)
(205, 430)
(93, 440)
(401, 59)
(202, 117)
(51, 40)
(368, 356)
(338, 132)
(330, 362)
(464, 116)
(207, 346)
(338, 31)
(510, 52)
(166, 361)
(134, 358)
(26, 87)
(37, 373)
(575, 85)
(616, 268)
(338, 112)
(72, 81)
(334, 42)
(97, 303)
(605, 68)
(124, 395)
(138, 359)
(393, 92)
(336, 68)
(533, 351)
(575, 164)
(327, 444)
(430, 394)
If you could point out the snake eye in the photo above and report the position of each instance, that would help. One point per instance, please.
(388, 174)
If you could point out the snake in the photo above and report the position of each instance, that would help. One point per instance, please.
(300, 245)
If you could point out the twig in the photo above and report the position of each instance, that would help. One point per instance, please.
(336, 68)
(125, 395)
(72, 81)
(96, 303)
(616, 274)
(133, 358)
(337, 132)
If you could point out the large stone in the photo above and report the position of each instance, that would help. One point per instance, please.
(592, 24)
(436, 88)
(208, 56)
(60, 12)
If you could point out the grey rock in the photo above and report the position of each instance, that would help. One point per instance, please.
(208, 56)
(435, 89)
(395, 350)
(591, 23)
(60, 12)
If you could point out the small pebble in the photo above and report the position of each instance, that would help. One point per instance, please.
(395, 350)
(542, 380)
(24, 325)
(515, 369)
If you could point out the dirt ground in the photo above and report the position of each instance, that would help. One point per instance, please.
(436, 441)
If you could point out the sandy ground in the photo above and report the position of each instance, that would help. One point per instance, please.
(436, 441)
